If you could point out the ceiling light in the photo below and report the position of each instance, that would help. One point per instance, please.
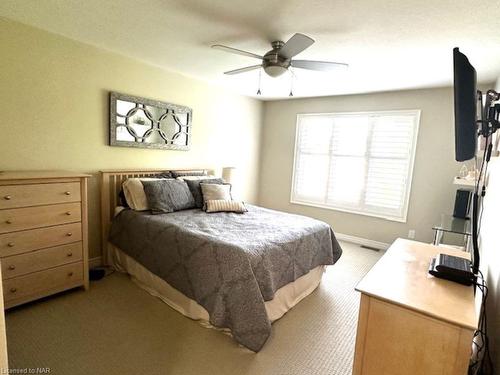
(275, 70)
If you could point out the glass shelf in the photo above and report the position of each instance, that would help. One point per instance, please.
(453, 225)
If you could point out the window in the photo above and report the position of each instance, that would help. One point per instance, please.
(356, 162)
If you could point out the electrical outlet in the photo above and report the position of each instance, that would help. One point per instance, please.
(411, 234)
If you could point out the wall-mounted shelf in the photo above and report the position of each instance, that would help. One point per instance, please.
(464, 183)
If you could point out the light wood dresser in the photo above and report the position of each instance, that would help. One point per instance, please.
(43, 234)
(411, 323)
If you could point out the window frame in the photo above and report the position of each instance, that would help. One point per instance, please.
(402, 219)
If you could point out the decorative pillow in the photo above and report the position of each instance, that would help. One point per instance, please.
(168, 196)
(220, 205)
(200, 172)
(195, 188)
(133, 190)
(215, 192)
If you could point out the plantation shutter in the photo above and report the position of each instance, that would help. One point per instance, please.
(359, 162)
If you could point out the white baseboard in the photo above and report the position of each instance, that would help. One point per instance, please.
(95, 262)
(362, 241)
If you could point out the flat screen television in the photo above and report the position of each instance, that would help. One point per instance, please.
(465, 107)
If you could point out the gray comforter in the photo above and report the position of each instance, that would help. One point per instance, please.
(229, 263)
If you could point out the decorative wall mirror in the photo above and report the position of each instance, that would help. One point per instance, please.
(146, 123)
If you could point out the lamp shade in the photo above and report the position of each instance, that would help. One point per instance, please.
(228, 174)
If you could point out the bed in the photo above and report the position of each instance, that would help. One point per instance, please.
(237, 272)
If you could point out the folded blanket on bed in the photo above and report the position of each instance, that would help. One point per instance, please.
(229, 263)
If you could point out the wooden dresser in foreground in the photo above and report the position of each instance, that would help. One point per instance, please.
(43, 234)
(411, 323)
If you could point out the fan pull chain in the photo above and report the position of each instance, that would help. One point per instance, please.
(260, 79)
(292, 76)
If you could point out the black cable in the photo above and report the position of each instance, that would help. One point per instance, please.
(487, 363)
(475, 209)
(485, 153)
(483, 193)
(475, 244)
(482, 363)
(478, 335)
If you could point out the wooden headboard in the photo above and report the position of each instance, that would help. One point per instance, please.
(111, 184)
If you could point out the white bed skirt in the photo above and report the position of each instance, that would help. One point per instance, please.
(284, 299)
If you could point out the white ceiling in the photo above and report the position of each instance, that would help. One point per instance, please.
(389, 44)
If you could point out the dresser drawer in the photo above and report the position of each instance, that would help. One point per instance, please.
(17, 219)
(34, 261)
(12, 196)
(34, 239)
(59, 278)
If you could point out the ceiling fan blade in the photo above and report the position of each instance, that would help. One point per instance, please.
(295, 45)
(243, 70)
(323, 66)
(236, 51)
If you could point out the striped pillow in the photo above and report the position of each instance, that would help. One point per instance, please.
(223, 205)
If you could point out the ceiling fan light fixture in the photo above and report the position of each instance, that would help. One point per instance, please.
(275, 70)
(282, 59)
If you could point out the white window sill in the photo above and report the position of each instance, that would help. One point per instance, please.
(327, 207)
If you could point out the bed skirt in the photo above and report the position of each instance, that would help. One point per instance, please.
(284, 299)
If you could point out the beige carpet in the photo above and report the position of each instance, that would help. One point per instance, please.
(117, 328)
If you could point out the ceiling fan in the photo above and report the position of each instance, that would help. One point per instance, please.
(279, 59)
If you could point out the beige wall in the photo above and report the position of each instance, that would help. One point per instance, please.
(432, 190)
(54, 113)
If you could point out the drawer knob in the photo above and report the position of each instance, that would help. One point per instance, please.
(12, 267)
(13, 290)
(69, 234)
(8, 221)
(7, 197)
(70, 274)
(70, 254)
(67, 192)
(10, 244)
(68, 213)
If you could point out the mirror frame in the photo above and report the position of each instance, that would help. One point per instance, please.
(171, 110)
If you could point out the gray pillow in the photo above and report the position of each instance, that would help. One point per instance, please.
(176, 174)
(166, 174)
(168, 196)
(195, 188)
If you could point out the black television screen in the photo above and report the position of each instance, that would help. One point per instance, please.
(464, 84)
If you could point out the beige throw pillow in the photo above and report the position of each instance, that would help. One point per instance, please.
(215, 192)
